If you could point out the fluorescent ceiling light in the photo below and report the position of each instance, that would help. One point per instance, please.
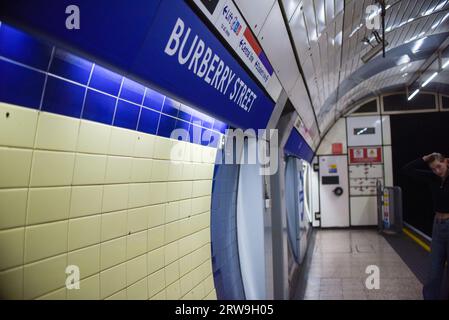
(418, 45)
(413, 94)
(430, 79)
(403, 59)
(445, 64)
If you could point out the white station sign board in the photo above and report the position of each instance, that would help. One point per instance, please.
(227, 19)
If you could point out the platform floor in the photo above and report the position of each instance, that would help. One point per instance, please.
(337, 269)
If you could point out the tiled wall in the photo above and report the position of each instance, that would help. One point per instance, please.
(87, 178)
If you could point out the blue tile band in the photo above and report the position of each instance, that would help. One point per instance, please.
(37, 75)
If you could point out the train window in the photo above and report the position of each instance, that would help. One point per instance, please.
(445, 103)
(399, 102)
(368, 107)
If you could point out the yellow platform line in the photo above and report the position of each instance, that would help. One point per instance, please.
(416, 239)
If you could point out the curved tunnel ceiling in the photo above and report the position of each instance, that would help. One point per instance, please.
(328, 37)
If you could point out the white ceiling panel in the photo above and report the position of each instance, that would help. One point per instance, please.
(276, 44)
(255, 12)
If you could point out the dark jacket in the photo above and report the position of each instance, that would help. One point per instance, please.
(440, 189)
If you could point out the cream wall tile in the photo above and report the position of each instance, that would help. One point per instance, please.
(55, 132)
(113, 252)
(138, 291)
(122, 142)
(197, 276)
(158, 193)
(44, 276)
(156, 282)
(185, 265)
(185, 246)
(13, 207)
(138, 219)
(186, 189)
(139, 195)
(156, 260)
(87, 259)
(48, 204)
(113, 225)
(45, 240)
(201, 188)
(184, 227)
(211, 154)
(188, 171)
(19, 127)
(11, 248)
(60, 294)
(171, 253)
(174, 291)
(178, 150)
(160, 170)
(171, 232)
(136, 269)
(172, 211)
(188, 153)
(93, 137)
(118, 170)
(121, 295)
(84, 232)
(86, 200)
(200, 205)
(141, 170)
(197, 153)
(171, 273)
(156, 237)
(112, 280)
(89, 289)
(89, 169)
(15, 167)
(185, 208)
(186, 284)
(115, 197)
(209, 284)
(159, 296)
(211, 296)
(156, 215)
(162, 148)
(199, 292)
(175, 171)
(52, 168)
(11, 284)
(144, 145)
(136, 244)
(174, 191)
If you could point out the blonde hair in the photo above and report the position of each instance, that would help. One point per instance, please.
(435, 157)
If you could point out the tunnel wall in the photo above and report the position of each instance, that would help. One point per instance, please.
(103, 195)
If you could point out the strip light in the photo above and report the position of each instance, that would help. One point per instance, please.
(430, 79)
(413, 95)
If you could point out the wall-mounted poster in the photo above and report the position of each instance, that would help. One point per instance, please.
(365, 155)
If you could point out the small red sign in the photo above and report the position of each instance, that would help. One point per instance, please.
(365, 155)
(337, 148)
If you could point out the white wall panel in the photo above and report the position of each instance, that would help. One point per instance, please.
(388, 166)
(290, 7)
(364, 139)
(386, 130)
(255, 12)
(276, 44)
(336, 135)
(363, 211)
